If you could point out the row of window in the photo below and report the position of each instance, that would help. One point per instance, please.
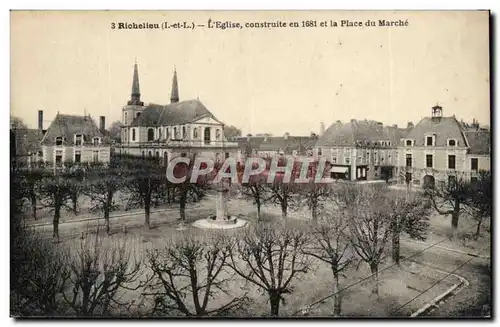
(431, 141)
(78, 157)
(429, 162)
(78, 140)
(177, 135)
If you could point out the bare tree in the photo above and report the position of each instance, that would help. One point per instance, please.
(102, 187)
(188, 274)
(369, 227)
(97, 274)
(145, 181)
(115, 130)
(55, 192)
(451, 199)
(31, 182)
(481, 200)
(408, 214)
(331, 245)
(257, 190)
(37, 275)
(315, 195)
(188, 191)
(17, 123)
(272, 257)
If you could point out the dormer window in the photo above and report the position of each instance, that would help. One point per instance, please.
(409, 142)
(59, 140)
(452, 142)
(78, 139)
(96, 140)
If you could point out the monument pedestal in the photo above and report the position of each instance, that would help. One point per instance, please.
(221, 219)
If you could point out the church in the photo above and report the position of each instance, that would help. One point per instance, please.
(181, 128)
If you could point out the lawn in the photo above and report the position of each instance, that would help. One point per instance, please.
(396, 286)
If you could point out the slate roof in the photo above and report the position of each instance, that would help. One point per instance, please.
(69, 125)
(360, 132)
(172, 114)
(27, 141)
(479, 141)
(444, 128)
(276, 143)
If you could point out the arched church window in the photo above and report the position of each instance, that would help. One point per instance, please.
(151, 134)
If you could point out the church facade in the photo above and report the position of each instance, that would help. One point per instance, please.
(181, 128)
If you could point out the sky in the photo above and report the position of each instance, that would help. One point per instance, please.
(260, 80)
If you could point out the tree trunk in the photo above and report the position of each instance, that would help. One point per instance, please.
(478, 229)
(183, 209)
(374, 270)
(106, 219)
(396, 248)
(147, 210)
(284, 210)
(55, 222)
(455, 214)
(258, 210)
(454, 220)
(274, 298)
(74, 200)
(337, 300)
(107, 210)
(314, 213)
(33, 206)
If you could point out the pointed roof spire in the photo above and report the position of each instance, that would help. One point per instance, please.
(135, 97)
(174, 97)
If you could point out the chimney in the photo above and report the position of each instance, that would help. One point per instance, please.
(265, 137)
(395, 125)
(102, 123)
(40, 120)
(286, 136)
(249, 136)
(353, 121)
(410, 125)
(339, 122)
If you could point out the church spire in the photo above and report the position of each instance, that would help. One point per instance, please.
(135, 97)
(174, 97)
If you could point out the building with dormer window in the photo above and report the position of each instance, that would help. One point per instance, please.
(169, 131)
(439, 148)
(360, 149)
(76, 139)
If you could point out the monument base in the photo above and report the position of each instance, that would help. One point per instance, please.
(210, 223)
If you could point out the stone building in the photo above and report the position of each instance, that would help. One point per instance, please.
(439, 149)
(360, 149)
(77, 139)
(168, 131)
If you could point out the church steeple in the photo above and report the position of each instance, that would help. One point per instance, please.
(135, 97)
(174, 97)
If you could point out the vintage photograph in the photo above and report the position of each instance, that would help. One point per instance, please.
(250, 164)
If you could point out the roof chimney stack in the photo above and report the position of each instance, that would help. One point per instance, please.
(102, 123)
(410, 125)
(286, 136)
(395, 125)
(40, 120)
